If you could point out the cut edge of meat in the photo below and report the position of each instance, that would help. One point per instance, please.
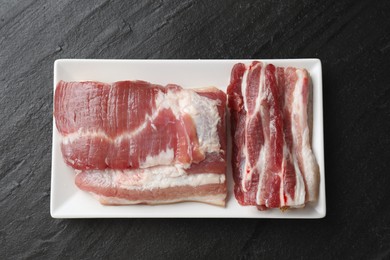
(163, 183)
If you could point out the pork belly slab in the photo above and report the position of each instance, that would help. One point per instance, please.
(273, 163)
(135, 142)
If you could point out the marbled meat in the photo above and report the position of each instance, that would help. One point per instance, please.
(135, 142)
(273, 162)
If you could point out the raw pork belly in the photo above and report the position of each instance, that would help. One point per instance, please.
(135, 142)
(273, 163)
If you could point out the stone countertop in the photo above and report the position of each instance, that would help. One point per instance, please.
(352, 39)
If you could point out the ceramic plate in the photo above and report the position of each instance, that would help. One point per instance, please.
(67, 201)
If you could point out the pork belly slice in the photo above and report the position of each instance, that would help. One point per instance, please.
(133, 142)
(136, 124)
(155, 185)
(273, 163)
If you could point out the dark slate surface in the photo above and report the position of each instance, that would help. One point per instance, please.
(352, 38)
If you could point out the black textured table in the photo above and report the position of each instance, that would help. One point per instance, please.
(352, 38)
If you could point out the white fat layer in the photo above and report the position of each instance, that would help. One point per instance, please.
(244, 166)
(298, 109)
(92, 133)
(296, 112)
(263, 92)
(281, 188)
(70, 138)
(300, 191)
(162, 158)
(309, 163)
(311, 168)
(202, 110)
(160, 177)
(217, 199)
(244, 85)
(261, 166)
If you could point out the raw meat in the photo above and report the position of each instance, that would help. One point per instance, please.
(131, 128)
(273, 163)
(155, 185)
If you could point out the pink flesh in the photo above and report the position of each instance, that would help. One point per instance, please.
(75, 113)
(130, 152)
(253, 84)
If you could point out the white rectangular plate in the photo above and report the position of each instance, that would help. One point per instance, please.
(67, 201)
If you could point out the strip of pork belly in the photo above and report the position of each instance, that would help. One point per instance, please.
(254, 136)
(297, 107)
(270, 190)
(135, 124)
(238, 116)
(290, 173)
(155, 185)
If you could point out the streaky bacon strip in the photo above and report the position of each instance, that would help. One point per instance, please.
(273, 139)
(301, 130)
(238, 119)
(273, 163)
(254, 136)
